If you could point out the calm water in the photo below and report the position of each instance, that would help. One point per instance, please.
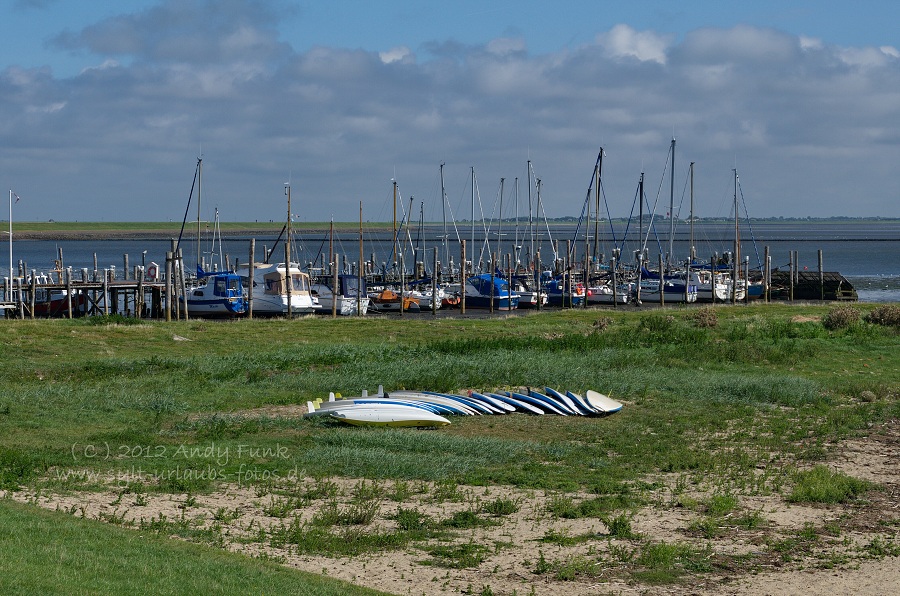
(867, 254)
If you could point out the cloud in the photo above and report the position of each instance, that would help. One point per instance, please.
(181, 76)
(623, 41)
(186, 31)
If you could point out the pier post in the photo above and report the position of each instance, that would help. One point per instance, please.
(639, 254)
(289, 282)
(821, 278)
(250, 273)
(180, 261)
(747, 280)
(662, 282)
(493, 269)
(105, 292)
(402, 283)
(140, 299)
(767, 275)
(793, 266)
(462, 277)
(434, 287)
(337, 291)
(615, 289)
(125, 270)
(69, 292)
(32, 292)
(169, 303)
(20, 304)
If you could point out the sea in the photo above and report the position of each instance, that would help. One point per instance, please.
(866, 253)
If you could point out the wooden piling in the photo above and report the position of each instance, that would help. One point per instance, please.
(462, 277)
(250, 272)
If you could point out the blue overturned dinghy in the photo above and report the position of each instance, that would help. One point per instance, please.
(577, 403)
(501, 405)
(456, 406)
(565, 405)
(481, 407)
(545, 404)
(519, 405)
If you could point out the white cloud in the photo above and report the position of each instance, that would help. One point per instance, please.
(399, 54)
(623, 41)
(172, 78)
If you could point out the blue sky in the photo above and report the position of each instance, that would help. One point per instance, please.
(104, 107)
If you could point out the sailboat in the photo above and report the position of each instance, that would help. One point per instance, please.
(216, 293)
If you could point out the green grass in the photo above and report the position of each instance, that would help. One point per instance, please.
(823, 485)
(46, 552)
(85, 405)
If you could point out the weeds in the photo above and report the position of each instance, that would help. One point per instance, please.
(841, 317)
(822, 485)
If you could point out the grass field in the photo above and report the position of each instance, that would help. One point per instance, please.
(723, 406)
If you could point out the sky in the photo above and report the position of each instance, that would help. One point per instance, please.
(105, 107)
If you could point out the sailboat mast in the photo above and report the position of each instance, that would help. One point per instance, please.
(199, 195)
(530, 221)
(693, 251)
(671, 254)
(516, 245)
(597, 206)
(394, 237)
(500, 226)
(444, 213)
(737, 239)
(10, 243)
(641, 214)
(287, 239)
(473, 208)
(331, 248)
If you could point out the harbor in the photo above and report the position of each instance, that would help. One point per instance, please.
(135, 276)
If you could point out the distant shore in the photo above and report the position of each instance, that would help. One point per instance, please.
(66, 230)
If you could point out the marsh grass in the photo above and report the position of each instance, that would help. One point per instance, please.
(823, 485)
(737, 403)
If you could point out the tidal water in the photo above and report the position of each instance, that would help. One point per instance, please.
(867, 254)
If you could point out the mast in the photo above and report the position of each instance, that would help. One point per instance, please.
(671, 254)
(331, 250)
(394, 239)
(473, 208)
(737, 239)
(692, 252)
(444, 213)
(199, 195)
(597, 206)
(641, 214)
(359, 269)
(530, 222)
(287, 239)
(516, 245)
(500, 227)
(10, 243)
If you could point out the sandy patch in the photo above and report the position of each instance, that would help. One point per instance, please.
(766, 557)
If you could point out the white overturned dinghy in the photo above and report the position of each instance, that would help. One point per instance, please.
(387, 415)
(602, 403)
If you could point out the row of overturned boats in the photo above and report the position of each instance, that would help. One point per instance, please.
(406, 408)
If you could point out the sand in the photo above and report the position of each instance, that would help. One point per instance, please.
(844, 563)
